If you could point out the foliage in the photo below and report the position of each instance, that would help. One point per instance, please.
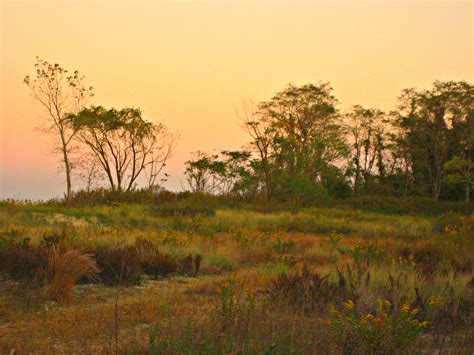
(306, 291)
(152, 261)
(123, 144)
(120, 265)
(24, 262)
(383, 330)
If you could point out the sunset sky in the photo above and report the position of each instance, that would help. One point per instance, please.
(193, 63)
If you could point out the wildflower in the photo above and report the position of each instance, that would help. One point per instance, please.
(414, 311)
(369, 316)
(405, 307)
(366, 318)
(380, 319)
(434, 301)
(424, 324)
(386, 303)
(349, 305)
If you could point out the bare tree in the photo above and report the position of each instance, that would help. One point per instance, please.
(60, 94)
(90, 172)
(164, 143)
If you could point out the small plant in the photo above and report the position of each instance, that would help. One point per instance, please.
(334, 240)
(367, 253)
(236, 300)
(282, 245)
(384, 330)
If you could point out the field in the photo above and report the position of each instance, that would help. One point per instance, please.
(234, 280)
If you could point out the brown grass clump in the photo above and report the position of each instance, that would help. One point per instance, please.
(65, 269)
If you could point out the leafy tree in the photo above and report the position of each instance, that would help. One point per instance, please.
(366, 132)
(297, 136)
(435, 125)
(204, 172)
(462, 172)
(229, 172)
(122, 143)
(60, 94)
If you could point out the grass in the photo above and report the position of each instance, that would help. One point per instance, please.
(424, 261)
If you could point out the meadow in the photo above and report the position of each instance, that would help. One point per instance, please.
(216, 278)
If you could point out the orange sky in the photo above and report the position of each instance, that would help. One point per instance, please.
(193, 63)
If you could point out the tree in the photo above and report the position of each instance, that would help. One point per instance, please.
(60, 94)
(462, 173)
(230, 172)
(123, 144)
(204, 172)
(163, 146)
(259, 128)
(436, 124)
(366, 133)
(297, 137)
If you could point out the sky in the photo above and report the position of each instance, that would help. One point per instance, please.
(192, 64)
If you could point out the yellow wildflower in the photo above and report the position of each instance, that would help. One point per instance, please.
(405, 307)
(424, 324)
(434, 301)
(349, 305)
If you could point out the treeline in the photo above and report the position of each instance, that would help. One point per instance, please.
(302, 149)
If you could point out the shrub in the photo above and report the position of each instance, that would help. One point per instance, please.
(24, 262)
(119, 265)
(306, 291)
(152, 261)
(65, 269)
(382, 331)
(190, 265)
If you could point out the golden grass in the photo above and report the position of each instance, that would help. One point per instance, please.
(64, 270)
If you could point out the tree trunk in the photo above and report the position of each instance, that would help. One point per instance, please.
(67, 168)
(468, 188)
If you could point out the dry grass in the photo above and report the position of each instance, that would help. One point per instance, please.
(400, 253)
(64, 270)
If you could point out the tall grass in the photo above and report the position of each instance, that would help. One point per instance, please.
(65, 269)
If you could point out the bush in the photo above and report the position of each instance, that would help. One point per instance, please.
(152, 261)
(396, 205)
(190, 265)
(120, 266)
(306, 291)
(382, 331)
(183, 211)
(24, 262)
